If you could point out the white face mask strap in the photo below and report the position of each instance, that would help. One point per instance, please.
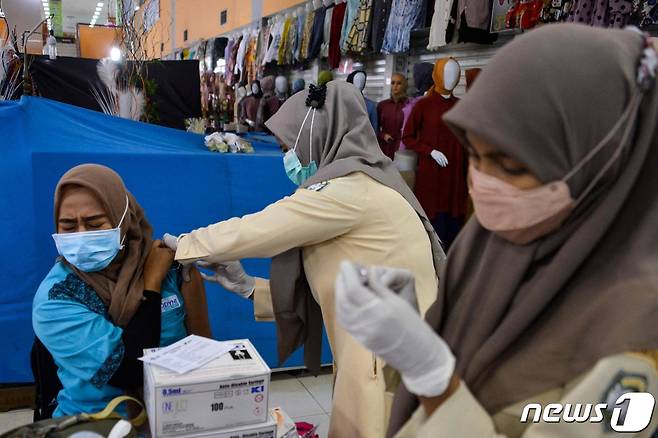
(310, 139)
(301, 128)
(121, 221)
(632, 107)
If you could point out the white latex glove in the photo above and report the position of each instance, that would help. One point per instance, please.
(438, 156)
(368, 307)
(172, 243)
(231, 276)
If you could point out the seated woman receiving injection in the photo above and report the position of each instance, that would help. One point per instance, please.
(112, 292)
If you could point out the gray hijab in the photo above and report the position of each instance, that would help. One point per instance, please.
(343, 142)
(524, 319)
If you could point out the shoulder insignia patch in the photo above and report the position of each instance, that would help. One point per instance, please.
(318, 186)
(621, 384)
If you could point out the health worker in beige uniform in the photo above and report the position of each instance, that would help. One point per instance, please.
(352, 204)
(549, 295)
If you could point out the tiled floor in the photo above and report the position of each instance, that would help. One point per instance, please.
(303, 397)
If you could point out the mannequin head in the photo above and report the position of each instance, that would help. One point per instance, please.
(240, 92)
(281, 85)
(256, 89)
(308, 7)
(358, 78)
(398, 87)
(298, 85)
(325, 76)
(327, 3)
(446, 75)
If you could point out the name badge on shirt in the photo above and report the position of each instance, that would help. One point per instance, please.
(318, 186)
(170, 303)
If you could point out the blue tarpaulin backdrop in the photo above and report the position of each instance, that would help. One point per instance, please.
(179, 183)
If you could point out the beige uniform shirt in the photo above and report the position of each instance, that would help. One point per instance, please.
(462, 415)
(348, 218)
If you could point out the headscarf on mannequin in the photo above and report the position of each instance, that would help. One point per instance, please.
(423, 77)
(438, 77)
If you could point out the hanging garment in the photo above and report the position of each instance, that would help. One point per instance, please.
(403, 17)
(301, 21)
(317, 34)
(440, 21)
(263, 44)
(477, 14)
(324, 50)
(438, 189)
(381, 9)
(350, 15)
(283, 45)
(306, 36)
(239, 60)
(289, 55)
(251, 69)
(620, 12)
(358, 35)
(476, 35)
(230, 63)
(273, 51)
(337, 19)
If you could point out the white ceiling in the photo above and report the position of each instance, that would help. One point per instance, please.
(26, 13)
(81, 11)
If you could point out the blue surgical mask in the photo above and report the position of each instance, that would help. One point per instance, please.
(91, 251)
(294, 169)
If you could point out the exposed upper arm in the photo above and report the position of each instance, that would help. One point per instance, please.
(196, 305)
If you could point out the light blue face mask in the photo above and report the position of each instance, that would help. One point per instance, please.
(91, 251)
(294, 169)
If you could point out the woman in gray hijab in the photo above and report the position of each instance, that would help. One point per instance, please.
(351, 204)
(548, 302)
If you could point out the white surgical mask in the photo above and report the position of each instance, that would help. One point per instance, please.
(91, 251)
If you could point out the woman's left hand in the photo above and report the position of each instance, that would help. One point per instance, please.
(370, 306)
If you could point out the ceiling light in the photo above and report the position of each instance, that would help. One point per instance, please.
(115, 54)
(100, 4)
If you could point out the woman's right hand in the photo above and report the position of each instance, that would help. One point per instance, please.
(157, 265)
(231, 276)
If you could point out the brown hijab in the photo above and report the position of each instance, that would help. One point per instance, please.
(524, 319)
(121, 284)
(343, 142)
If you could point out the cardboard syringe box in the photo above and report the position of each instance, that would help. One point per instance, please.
(261, 430)
(229, 391)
